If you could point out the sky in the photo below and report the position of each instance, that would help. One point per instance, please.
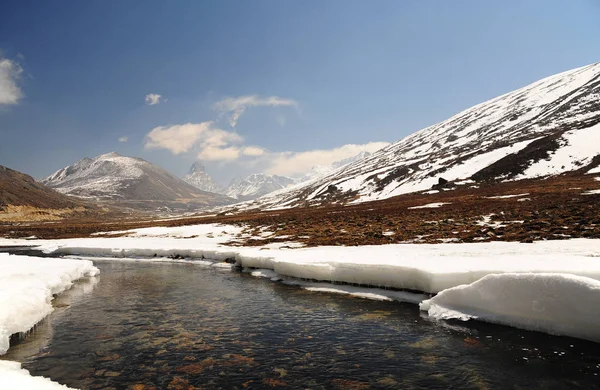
(263, 86)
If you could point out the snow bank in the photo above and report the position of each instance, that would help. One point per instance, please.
(27, 285)
(558, 304)
(12, 376)
(413, 267)
(428, 268)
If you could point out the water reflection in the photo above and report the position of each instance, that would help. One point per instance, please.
(36, 340)
(176, 326)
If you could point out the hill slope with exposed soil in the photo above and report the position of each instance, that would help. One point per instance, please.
(24, 199)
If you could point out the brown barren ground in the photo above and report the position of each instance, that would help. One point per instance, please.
(554, 208)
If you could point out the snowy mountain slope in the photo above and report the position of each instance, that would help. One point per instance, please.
(198, 178)
(115, 177)
(546, 128)
(256, 185)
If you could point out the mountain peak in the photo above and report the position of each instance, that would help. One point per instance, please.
(108, 155)
(199, 178)
(197, 166)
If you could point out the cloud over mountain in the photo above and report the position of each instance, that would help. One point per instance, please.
(236, 106)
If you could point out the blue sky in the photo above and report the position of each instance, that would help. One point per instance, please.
(303, 78)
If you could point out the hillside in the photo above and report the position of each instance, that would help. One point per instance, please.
(547, 128)
(24, 199)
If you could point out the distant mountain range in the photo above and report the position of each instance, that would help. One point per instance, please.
(130, 181)
(550, 127)
(258, 184)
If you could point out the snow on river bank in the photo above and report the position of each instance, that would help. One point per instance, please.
(27, 286)
(12, 376)
(428, 268)
(559, 304)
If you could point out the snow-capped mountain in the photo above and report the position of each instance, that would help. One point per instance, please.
(259, 184)
(119, 178)
(546, 128)
(256, 185)
(198, 177)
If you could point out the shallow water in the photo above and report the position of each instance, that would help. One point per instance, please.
(180, 325)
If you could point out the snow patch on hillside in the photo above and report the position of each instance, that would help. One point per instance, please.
(429, 206)
(578, 147)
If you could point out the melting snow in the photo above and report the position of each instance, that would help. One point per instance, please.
(429, 205)
(591, 192)
(12, 376)
(27, 285)
(506, 196)
(559, 304)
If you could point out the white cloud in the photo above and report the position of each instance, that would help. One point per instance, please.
(298, 163)
(153, 98)
(10, 71)
(253, 151)
(203, 136)
(236, 106)
(218, 145)
(123, 139)
(216, 153)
